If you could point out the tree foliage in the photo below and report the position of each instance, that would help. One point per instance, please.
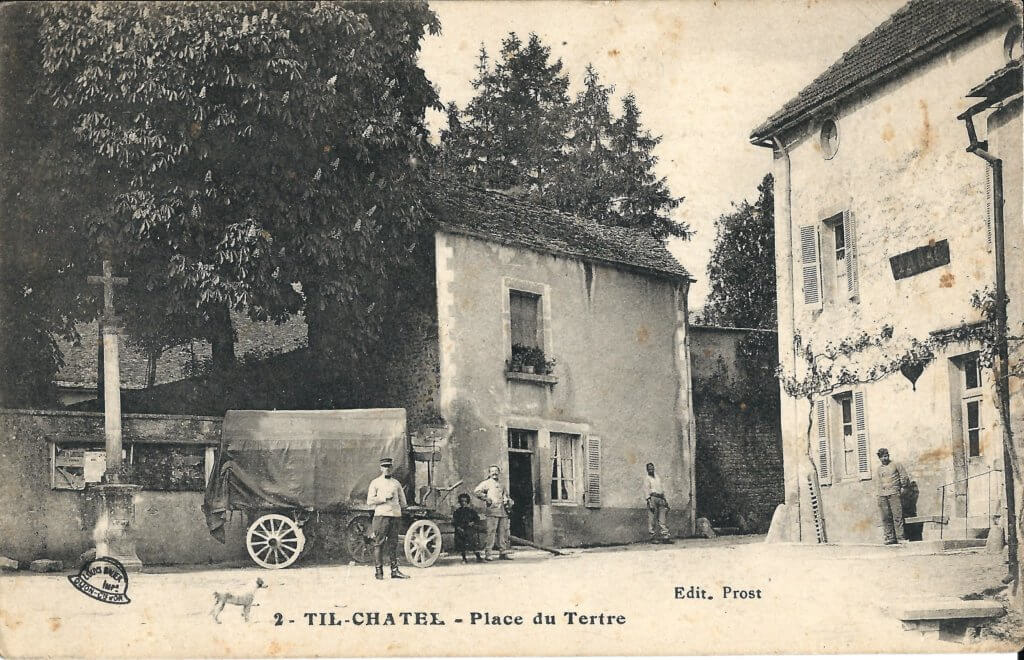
(522, 131)
(245, 147)
(742, 265)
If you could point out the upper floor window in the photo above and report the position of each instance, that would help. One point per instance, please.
(526, 318)
(829, 139)
(828, 260)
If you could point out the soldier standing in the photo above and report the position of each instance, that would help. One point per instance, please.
(496, 497)
(388, 499)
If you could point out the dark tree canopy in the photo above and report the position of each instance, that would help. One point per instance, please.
(240, 148)
(522, 131)
(742, 266)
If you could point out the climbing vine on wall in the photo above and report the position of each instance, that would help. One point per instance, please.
(832, 367)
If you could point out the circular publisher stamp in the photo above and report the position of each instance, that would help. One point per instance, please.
(104, 579)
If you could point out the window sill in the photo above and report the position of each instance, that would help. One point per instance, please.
(541, 379)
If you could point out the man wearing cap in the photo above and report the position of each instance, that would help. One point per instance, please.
(494, 495)
(388, 499)
(891, 479)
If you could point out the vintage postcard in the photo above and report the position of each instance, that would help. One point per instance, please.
(434, 328)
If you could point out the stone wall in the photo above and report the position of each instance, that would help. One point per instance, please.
(739, 443)
(43, 522)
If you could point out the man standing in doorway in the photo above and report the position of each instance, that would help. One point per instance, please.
(388, 499)
(657, 507)
(494, 495)
(890, 480)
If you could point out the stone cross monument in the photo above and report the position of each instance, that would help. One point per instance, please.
(113, 533)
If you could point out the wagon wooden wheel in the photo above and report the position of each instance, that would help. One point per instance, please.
(274, 541)
(357, 539)
(423, 543)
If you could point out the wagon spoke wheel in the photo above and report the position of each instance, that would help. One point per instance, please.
(423, 543)
(358, 541)
(274, 541)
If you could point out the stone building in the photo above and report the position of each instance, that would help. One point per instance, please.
(504, 287)
(610, 306)
(884, 232)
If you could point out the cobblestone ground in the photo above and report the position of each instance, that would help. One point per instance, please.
(812, 600)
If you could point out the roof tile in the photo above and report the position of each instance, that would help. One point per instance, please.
(917, 26)
(504, 218)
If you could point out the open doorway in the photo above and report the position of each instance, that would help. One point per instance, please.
(520, 481)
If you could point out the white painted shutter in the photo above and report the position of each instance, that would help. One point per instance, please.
(824, 450)
(850, 231)
(810, 266)
(860, 429)
(593, 492)
(989, 207)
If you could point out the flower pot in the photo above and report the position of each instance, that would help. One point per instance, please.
(528, 368)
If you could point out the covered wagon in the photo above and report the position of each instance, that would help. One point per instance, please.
(300, 472)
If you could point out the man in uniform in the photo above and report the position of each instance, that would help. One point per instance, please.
(388, 499)
(494, 495)
(890, 480)
(657, 507)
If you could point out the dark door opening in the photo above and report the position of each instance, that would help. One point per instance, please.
(520, 482)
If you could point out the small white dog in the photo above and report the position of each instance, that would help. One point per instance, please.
(243, 599)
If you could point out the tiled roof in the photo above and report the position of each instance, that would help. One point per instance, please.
(506, 219)
(918, 27)
(1005, 81)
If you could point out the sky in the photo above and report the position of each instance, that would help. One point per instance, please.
(704, 73)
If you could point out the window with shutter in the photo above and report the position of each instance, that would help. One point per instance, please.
(850, 233)
(810, 266)
(861, 429)
(593, 488)
(824, 448)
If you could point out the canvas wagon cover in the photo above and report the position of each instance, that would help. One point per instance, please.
(302, 459)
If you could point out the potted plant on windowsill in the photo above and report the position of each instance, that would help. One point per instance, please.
(517, 363)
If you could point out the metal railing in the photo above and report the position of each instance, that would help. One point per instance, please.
(967, 501)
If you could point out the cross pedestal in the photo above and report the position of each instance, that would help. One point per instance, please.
(116, 511)
(113, 534)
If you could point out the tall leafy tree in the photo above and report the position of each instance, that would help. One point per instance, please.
(742, 276)
(246, 147)
(742, 266)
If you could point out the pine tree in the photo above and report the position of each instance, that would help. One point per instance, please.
(513, 130)
(585, 176)
(521, 132)
(640, 199)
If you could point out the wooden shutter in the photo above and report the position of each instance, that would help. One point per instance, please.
(850, 231)
(824, 450)
(810, 266)
(860, 429)
(593, 491)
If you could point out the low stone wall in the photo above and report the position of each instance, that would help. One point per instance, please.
(39, 521)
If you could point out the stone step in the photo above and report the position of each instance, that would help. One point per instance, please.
(941, 545)
(946, 608)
